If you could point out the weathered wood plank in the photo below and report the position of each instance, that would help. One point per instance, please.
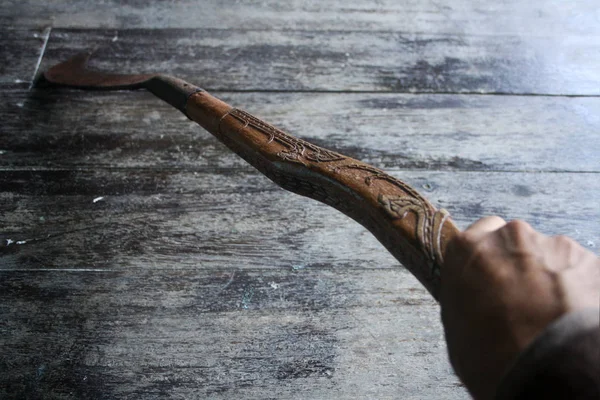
(221, 333)
(140, 259)
(344, 61)
(20, 52)
(71, 129)
(172, 219)
(542, 17)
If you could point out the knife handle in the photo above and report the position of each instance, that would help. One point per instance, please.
(411, 228)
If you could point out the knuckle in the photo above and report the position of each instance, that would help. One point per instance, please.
(494, 219)
(517, 227)
(563, 239)
(518, 233)
(565, 242)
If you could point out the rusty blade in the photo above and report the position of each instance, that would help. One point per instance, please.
(74, 73)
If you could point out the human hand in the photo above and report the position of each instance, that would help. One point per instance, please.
(502, 284)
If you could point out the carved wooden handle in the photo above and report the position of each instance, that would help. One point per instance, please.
(414, 231)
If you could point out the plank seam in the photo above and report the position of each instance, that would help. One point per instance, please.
(248, 170)
(326, 91)
(457, 34)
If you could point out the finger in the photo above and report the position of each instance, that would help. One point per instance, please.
(486, 225)
(460, 249)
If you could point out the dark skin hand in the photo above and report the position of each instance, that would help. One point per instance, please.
(502, 285)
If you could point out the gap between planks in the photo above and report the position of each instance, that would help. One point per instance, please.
(249, 169)
(416, 93)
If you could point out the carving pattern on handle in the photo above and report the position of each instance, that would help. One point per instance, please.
(377, 174)
(300, 167)
(428, 228)
(296, 148)
(429, 220)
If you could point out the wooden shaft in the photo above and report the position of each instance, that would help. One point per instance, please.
(414, 231)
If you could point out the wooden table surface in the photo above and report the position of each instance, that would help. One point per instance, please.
(141, 259)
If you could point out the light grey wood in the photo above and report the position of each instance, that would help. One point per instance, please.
(125, 274)
(311, 333)
(534, 18)
(344, 61)
(72, 129)
(144, 219)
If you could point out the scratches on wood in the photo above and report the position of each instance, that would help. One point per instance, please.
(175, 332)
(140, 259)
(252, 60)
(175, 218)
(20, 50)
(74, 129)
(513, 17)
(45, 38)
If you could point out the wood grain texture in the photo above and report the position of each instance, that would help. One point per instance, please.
(228, 334)
(20, 51)
(147, 219)
(72, 129)
(541, 18)
(124, 273)
(343, 61)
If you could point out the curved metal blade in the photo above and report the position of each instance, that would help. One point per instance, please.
(74, 73)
